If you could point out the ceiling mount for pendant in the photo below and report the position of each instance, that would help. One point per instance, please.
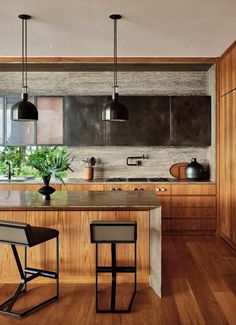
(115, 110)
(24, 110)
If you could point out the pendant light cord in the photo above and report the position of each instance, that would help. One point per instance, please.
(24, 55)
(115, 55)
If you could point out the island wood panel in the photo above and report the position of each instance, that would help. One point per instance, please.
(194, 189)
(77, 254)
(227, 173)
(228, 70)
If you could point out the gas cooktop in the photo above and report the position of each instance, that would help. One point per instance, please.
(137, 179)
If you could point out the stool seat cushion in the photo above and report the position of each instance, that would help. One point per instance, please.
(40, 234)
(103, 231)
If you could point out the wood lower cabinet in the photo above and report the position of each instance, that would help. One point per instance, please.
(193, 208)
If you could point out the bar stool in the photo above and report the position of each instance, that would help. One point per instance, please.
(18, 233)
(114, 232)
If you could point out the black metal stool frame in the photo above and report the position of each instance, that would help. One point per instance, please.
(114, 269)
(6, 306)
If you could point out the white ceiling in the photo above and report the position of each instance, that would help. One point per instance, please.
(155, 28)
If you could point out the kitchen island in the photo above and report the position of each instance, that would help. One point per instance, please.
(71, 213)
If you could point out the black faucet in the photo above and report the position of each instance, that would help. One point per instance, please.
(136, 163)
(9, 170)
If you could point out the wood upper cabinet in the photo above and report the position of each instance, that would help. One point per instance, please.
(228, 71)
(190, 120)
(83, 125)
(148, 124)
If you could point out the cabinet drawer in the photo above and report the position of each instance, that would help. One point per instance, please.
(188, 213)
(82, 187)
(160, 189)
(194, 201)
(193, 225)
(194, 189)
(166, 224)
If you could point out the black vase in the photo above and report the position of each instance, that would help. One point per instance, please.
(46, 190)
(194, 171)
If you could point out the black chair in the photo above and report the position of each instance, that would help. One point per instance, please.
(114, 232)
(17, 233)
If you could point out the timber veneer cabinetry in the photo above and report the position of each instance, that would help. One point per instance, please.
(194, 208)
(227, 147)
(228, 70)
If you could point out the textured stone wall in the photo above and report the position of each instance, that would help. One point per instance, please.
(100, 83)
(111, 161)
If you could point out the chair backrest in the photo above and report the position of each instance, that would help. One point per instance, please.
(113, 231)
(14, 232)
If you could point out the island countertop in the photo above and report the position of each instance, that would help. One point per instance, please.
(79, 200)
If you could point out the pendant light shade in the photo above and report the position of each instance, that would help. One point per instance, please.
(115, 110)
(24, 110)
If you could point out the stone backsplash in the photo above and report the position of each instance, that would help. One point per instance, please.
(111, 161)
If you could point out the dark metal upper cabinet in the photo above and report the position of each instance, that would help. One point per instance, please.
(191, 120)
(148, 124)
(83, 123)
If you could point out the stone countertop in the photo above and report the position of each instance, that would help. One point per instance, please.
(79, 200)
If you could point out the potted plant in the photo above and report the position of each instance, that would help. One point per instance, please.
(89, 163)
(50, 162)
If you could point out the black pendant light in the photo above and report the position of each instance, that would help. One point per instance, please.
(115, 110)
(24, 110)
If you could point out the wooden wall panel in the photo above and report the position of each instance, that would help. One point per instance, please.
(227, 147)
(227, 199)
(228, 71)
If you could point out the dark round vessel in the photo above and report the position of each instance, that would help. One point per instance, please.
(194, 171)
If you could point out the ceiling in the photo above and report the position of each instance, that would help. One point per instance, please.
(151, 28)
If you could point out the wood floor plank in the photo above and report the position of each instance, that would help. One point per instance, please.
(187, 306)
(227, 302)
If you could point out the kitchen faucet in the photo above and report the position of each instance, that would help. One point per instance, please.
(9, 170)
(136, 163)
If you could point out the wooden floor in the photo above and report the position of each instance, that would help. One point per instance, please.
(199, 287)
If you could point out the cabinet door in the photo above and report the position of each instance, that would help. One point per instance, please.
(83, 120)
(50, 122)
(148, 124)
(190, 120)
(18, 133)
